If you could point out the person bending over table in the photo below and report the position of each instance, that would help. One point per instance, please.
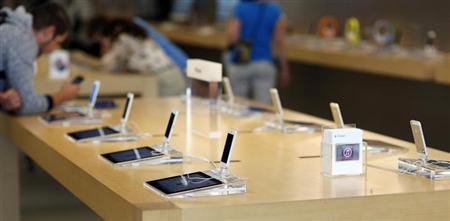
(23, 37)
(126, 46)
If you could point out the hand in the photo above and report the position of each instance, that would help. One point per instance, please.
(10, 100)
(68, 92)
(285, 78)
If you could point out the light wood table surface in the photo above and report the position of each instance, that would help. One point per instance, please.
(443, 72)
(281, 186)
(112, 84)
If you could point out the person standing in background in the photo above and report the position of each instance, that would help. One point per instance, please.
(255, 28)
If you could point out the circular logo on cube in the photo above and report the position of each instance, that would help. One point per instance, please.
(347, 152)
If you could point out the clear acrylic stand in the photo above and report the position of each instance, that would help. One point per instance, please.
(82, 121)
(234, 109)
(380, 147)
(75, 107)
(171, 156)
(288, 128)
(210, 126)
(126, 134)
(232, 185)
(418, 167)
(87, 118)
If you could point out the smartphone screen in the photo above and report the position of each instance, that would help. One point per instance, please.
(127, 103)
(78, 80)
(227, 148)
(97, 132)
(105, 104)
(174, 185)
(347, 152)
(50, 118)
(132, 155)
(169, 125)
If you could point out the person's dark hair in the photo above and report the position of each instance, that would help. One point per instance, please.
(50, 14)
(114, 27)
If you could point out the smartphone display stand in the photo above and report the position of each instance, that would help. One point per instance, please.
(83, 121)
(418, 168)
(171, 156)
(234, 109)
(232, 185)
(125, 134)
(423, 166)
(288, 128)
(373, 146)
(229, 106)
(279, 124)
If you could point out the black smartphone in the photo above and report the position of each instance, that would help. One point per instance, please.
(258, 109)
(132, 155)
(192, 182)
(87, 134)
(105, 104)
(78, 79)
(54, 117)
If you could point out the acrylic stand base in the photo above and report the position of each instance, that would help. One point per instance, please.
(82, 121)
(233, 185)
(74, 107)
(287, 128)
(125, 135)
(380, 147)
(236, 110)
(171, 156)
(419, 168)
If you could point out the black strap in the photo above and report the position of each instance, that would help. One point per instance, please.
(3, 16)
(261, 13)
(50, 102)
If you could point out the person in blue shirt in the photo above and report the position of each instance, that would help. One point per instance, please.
(263, 24)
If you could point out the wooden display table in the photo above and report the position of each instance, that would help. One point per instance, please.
(422, 69)
(283, 171)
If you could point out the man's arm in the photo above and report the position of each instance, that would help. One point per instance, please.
(19, 75)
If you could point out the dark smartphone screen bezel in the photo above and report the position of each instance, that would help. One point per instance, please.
(227, 148)
(169, 125)
(111, 157)
(127, 103)
(74, 136)
(159, 184)
(104, 104)
(50, 118)
(78, 80)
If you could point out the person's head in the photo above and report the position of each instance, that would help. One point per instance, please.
(50, 25)
(107, 30)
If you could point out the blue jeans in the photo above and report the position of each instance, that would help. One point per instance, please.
(253, 80)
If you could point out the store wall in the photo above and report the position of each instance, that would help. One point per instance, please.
(413, 17)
